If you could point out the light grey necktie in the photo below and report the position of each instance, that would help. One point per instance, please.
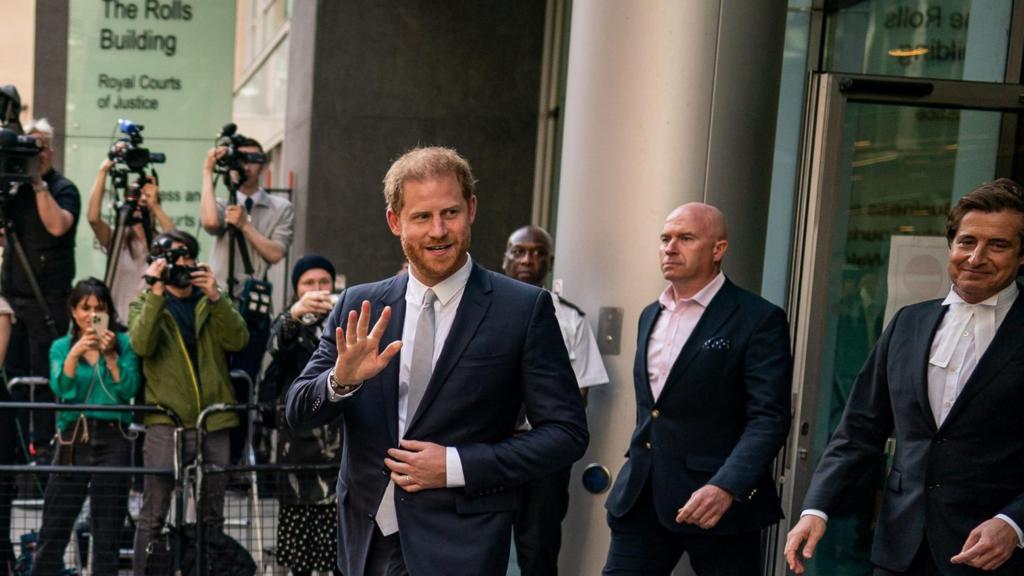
(422, 364)
(419, 376)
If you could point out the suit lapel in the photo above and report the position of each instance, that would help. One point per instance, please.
(1004, 347)
(922, 351)
(472, 308)
(394, 297)
(647, 321)
(719, 310)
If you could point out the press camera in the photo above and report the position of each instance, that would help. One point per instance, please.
(233, 160)
(174, 274)
(19, 154)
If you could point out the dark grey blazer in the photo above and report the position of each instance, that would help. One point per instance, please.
(944, 480)
(504, 351)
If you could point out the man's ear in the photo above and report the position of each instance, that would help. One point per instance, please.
(472, 208)
(720, 247)
(394, 223)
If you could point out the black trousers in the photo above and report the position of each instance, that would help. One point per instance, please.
(385, 556)
(29, 355)
(921, 565)
(249, 360)
(8, 455)
(642, 546)
(108, 495)
(538, 524)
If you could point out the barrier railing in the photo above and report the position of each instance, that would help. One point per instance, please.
(67, 508)
(251, 516)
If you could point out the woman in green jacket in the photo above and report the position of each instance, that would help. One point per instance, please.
(93, 364)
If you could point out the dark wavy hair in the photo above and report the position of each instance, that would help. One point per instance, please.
(92, 287)
(995, 196)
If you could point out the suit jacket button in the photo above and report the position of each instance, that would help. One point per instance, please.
(647, 445)
(655, 413)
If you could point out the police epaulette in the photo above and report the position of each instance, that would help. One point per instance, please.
(571, 305)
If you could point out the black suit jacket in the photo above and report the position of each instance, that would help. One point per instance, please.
(944, 480)
(721, 418)
(504, 351)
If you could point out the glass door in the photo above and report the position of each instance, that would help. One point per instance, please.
(885, 160)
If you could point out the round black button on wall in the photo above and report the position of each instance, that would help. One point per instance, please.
(596, 478)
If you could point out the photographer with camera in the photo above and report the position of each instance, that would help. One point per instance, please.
(264, 224)
(306, 536)
(132, 261)
(182, 326)
(44, 215)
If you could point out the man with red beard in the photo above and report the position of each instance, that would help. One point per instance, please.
(431, 469)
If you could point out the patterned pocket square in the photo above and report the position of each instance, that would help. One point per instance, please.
(717, 343)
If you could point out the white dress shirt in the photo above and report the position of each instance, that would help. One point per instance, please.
(449, 294)
(963, 336)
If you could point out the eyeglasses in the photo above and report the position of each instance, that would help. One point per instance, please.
(518, 252)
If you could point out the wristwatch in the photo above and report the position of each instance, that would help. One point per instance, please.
(42, 187)
(340, 389)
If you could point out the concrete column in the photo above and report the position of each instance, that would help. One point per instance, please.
(667, 101)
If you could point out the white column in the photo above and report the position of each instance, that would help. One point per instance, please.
(667, 101)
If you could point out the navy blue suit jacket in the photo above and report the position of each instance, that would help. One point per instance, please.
(721, 418)
(504, 351)
(945, 480)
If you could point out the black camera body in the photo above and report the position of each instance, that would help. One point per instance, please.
(19, 154)
(174, 274)
(128, 150)
(232, 160)
(19, 160)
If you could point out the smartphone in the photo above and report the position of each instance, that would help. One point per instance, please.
(100, 322)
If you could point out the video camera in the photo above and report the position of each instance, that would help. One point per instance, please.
(19, 154)
(128, 150)
(129, 156)
(174, 274)
(233, 160)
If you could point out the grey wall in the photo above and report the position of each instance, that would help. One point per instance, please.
(377, 78)
(51, 70)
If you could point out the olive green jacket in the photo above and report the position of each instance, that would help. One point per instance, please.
(170, 377)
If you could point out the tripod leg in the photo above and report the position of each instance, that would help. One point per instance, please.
(37, 293)
(117, 243)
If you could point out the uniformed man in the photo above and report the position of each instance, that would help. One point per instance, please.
(538, 523)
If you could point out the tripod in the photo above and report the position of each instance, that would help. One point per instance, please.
(123, 222)
(22, 260)
(237, 238)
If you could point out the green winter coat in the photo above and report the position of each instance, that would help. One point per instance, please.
(170, 377)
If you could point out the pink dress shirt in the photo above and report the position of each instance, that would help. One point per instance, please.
(678, 318)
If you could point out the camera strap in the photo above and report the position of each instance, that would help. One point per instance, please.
(243, 251)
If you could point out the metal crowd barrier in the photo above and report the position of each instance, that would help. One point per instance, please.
(250, 514)
(25, 502)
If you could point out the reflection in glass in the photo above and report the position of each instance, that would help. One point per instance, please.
(949, 39)
(259, 105)
(902, 168)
